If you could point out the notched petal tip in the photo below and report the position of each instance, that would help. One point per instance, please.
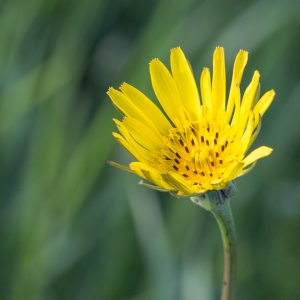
(110, 89)
(244, 51)
(122, 84)
(154, 60)
(176, 49)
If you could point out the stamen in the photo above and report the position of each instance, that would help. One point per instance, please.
(167, 158)
(177, 155)
(195, 172)
(193, 143)
(187, 167)
(212, 163)
(223, 148)
(187, 150)
(217, 154)
(181, 142)
(226, 144)
(221, 161)
(202, 138)
(207, 142)
(202, 173)
(184, 175)
(176, 168)
(177, 161)
(215, 141)
(217, 135)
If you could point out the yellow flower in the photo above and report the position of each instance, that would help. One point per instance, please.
(195, 146)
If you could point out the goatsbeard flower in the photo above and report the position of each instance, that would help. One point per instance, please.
(195, 146)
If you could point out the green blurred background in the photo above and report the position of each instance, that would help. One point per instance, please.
(73, 227)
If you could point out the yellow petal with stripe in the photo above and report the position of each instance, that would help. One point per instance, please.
(264, 102)
(219, 81)
(176, 181)
(145, 105)
(137, 153)
(165, 89)
(149, 174)
(185, 82)
(143, 134)
(248, 99)
(238, 70)
(128, 108)
(205, 87)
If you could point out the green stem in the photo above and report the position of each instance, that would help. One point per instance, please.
(224, 218)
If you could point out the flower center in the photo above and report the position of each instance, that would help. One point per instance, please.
(199, 151)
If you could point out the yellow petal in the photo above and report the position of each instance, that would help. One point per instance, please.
(248, 98)
(219, 81)
(205, 88)
(185, 82)
(149, 174)
(264, 102)
(245, 140)
(145, 105)
(245, 171)
(257, 126)
(145, 154)
(257, 154)
(233, 172)
(237, 109)
(238, 70)
(165, 89)
(128, 108)
(178, 183)
(139, 155)
(143, 134)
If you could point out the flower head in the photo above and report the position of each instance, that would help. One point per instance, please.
(196, 146)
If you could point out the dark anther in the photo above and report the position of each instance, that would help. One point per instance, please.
(221, 161)
(175, 168)
(223, 148)
(212, 164)
(202, 139)
(211, 175)
(226, 144)
(195, 172)
(202, 173)
(181, 142)
(187, 150)
(195, 183)
(167, 158)
(215, 141)
(177, 155)
(187, 167)
(217, 135)
(217, 154)
(193, 143)
(177, 161)
(207, 142)
(193, 131)
(184, 175)
(208, 128)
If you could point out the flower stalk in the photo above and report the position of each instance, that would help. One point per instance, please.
(224, 219)
(218, 202)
